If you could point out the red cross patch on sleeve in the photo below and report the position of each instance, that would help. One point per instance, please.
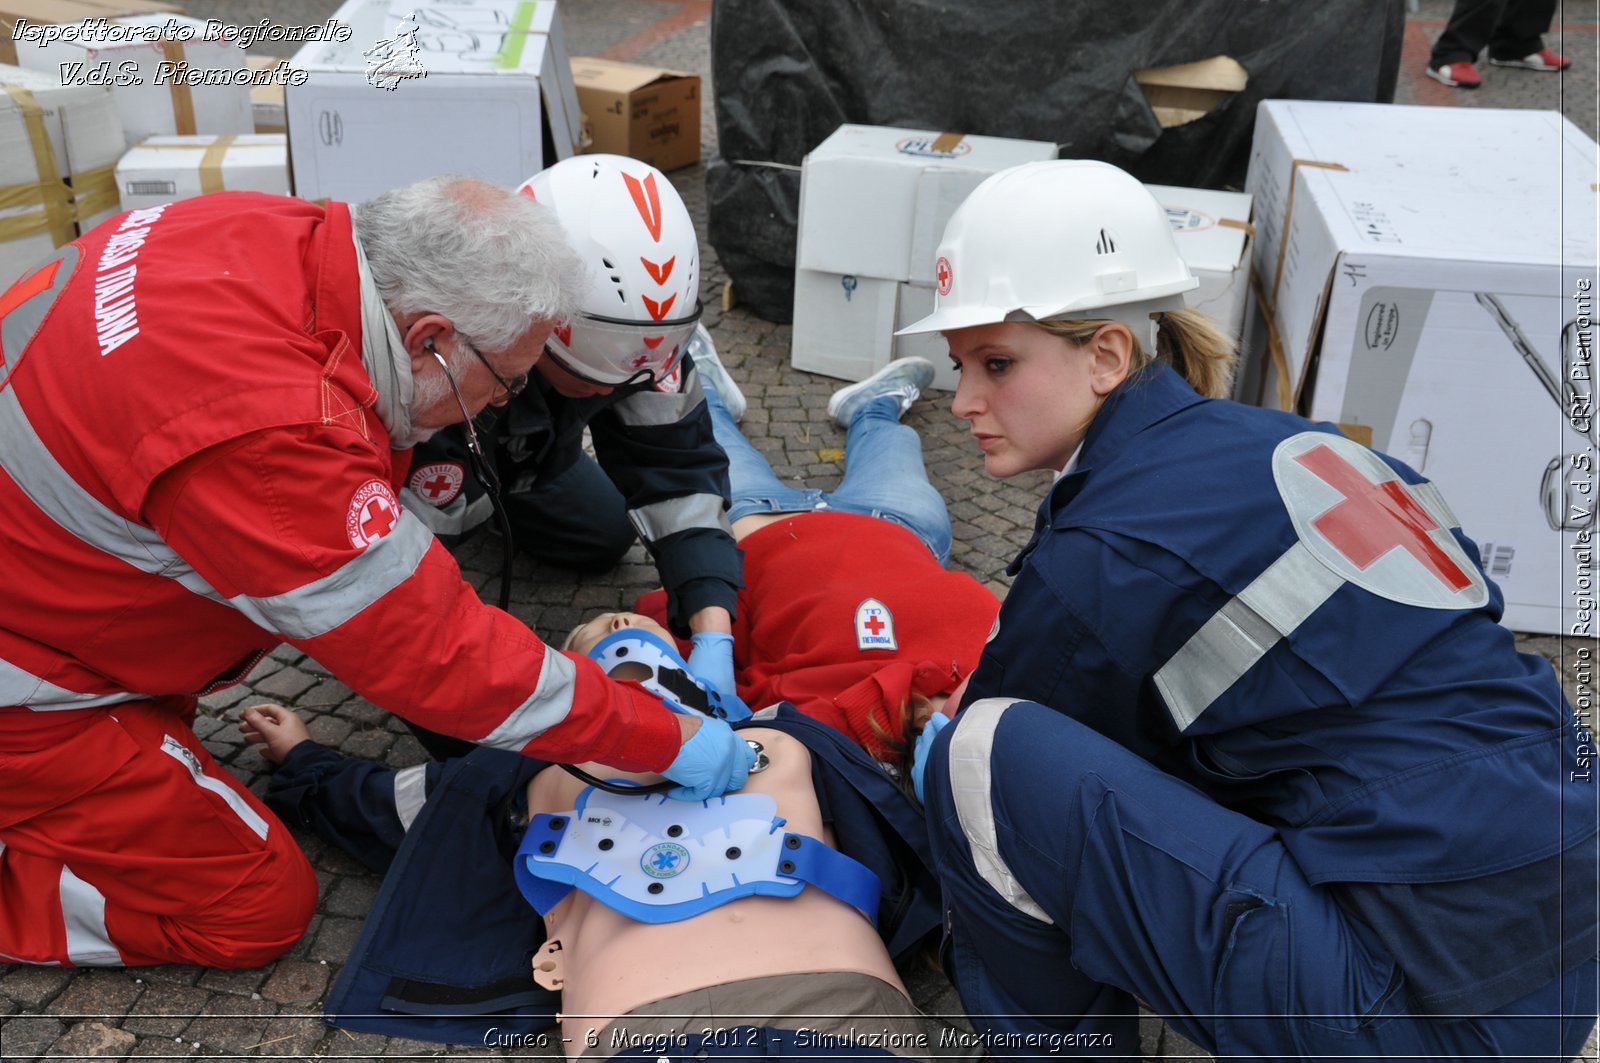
(438, 483)
(374, 512)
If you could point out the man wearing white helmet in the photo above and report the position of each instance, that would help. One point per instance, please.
(1247, 742)
(616, 367)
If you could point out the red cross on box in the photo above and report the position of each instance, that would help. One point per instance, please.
(1375, 518)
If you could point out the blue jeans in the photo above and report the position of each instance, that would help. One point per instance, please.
(883, 475)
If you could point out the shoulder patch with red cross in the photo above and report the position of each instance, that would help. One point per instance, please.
(437, 483)
(373, 513)
(1361, 520)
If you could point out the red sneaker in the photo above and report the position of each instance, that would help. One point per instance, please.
(1544, 60)
(1462, 75)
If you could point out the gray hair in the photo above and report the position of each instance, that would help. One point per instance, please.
(490, 260)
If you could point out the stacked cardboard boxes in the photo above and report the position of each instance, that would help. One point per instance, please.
(482, 87)
(164, 169)
(58, 147)
(1428, 276)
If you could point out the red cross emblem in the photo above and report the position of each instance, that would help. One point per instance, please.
(373, 514)
(437, 483)
(1361, 520)
(943, 274)
(875, 626)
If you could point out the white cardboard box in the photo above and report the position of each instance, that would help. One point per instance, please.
(58, 146)
(1432, 282)
(874, 201)
(496, 100)
(165, 169)
(1212, 229)
(156, 76)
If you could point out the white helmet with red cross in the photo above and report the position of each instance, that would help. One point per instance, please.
(1066, 238)
(629, 226)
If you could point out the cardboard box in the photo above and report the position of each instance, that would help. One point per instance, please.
(266, 101)
(166, 169)
(874, 201)
(484, 85)
(49, 12)
(58, 147)
(158, 79)
(1213, 233)
(1428, 274)
(645, 112)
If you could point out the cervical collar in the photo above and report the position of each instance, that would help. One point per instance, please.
(656, 860)
(663, 673)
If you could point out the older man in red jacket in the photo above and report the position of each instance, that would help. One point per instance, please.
(205, 411)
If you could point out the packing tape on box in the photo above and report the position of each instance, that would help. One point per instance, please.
(57, 218)
(214, 154)
(94, 191)
(182, 101)
(1288, 213)
(1234, 223)
(1280, 363)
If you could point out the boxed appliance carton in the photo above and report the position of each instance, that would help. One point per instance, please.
(164, 169)
(166, 76)
(51, 12)
(482, 87)
(1427, 277)
(873, 203)
(645, 112)
(58, 147)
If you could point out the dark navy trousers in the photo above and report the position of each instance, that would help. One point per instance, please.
(1078, 876)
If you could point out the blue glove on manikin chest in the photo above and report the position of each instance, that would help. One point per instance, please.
(712, 762)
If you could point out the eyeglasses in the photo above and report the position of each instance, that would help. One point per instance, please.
(513, 387)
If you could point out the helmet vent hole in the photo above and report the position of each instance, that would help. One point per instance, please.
(621, 295)
(1107, 244)
(609, 264)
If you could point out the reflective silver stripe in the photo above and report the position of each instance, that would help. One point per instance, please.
(1431, 499)
(25, 459)
(971, 748)
(454, 518)
(660, 519)
(83, 910)
(305, 612)
(649, 409)
(547, 706)
(18, 686)
(1242, 631)
(18, 326)
(410, 791)
(241, 808)
(318, 607)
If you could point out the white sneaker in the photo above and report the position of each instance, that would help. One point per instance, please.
(903, 378)
(713, 374)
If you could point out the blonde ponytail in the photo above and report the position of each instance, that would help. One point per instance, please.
(1187, 340)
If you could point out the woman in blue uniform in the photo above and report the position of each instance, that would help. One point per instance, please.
(1247, 742)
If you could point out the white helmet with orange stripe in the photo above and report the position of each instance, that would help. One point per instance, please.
(629, 226)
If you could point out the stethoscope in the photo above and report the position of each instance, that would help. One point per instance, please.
(485, 475)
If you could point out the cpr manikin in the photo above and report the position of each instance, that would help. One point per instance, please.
(608, 964)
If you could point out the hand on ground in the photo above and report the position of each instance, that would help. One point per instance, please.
(274, 728)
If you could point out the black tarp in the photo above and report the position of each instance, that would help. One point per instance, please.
(786, 73)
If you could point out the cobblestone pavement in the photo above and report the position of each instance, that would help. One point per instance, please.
(193, 1012)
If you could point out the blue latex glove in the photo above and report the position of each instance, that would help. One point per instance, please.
(919, 756)
(713, 761)
(711, 661)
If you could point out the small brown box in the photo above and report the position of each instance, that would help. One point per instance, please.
(644, 112)
(50, 12)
